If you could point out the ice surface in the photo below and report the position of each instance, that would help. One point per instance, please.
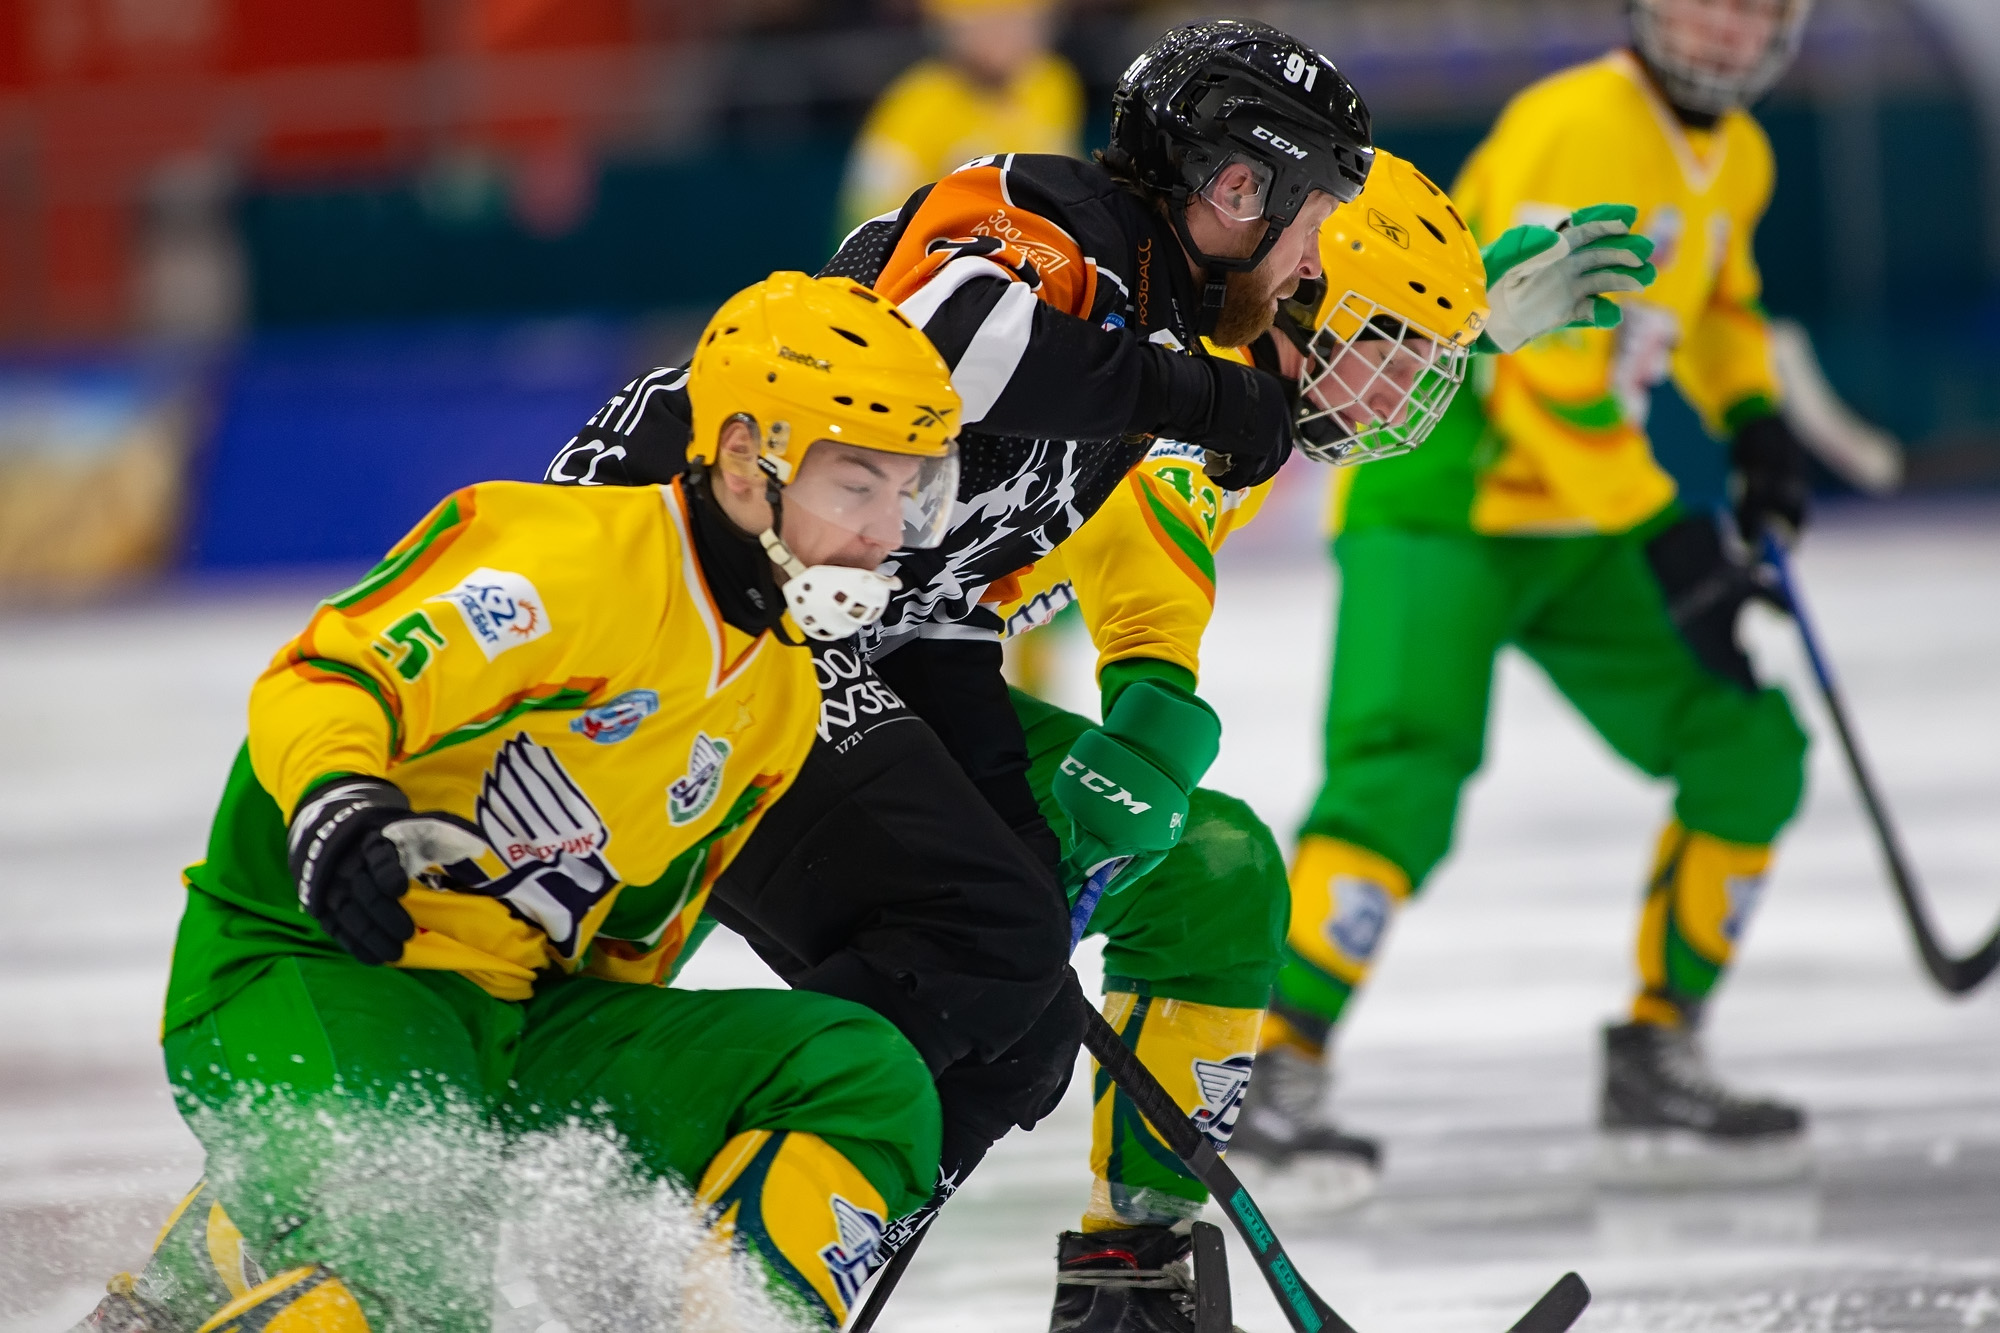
(1472, 1054)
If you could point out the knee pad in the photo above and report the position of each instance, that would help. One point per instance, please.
(804, 1210)
(1699, 899)
(303, 1300)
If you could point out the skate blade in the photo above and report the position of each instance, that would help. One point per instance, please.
(1310, 1182)
(1682, 1159)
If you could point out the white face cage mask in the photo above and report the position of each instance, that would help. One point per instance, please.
(1695, 51)
(1377, 391)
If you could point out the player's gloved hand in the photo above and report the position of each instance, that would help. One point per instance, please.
(1125, 785)
(355, 846)
(1538, 278)
(351, 878)
(1705, 591)
(1769, 483)
(1249, 432)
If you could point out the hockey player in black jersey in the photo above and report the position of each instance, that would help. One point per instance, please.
(909, 867)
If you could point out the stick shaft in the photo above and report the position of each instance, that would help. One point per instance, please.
(1955, 975)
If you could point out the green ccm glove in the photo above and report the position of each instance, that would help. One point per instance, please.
(1125, 785)
(1538, 278)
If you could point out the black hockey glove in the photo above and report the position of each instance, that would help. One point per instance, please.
(351, 878)
(1769, 481)
(1249, 432)
(1705, 591)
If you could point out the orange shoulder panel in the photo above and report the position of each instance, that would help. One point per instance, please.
(966, 213)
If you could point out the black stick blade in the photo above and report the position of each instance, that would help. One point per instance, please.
(1558, 1308)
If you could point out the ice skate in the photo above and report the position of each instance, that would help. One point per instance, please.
(1141, 1280)
(124, 1310)
(1667, 1120)
(1287, 1149)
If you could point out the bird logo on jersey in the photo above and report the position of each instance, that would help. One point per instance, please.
(858, 1251)
(537, 826)
(694, 791)
(1222, 1084)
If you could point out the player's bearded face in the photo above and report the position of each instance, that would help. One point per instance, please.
(1250, 299)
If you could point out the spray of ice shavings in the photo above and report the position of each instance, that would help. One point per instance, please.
(437, 1218)
(602, 1246)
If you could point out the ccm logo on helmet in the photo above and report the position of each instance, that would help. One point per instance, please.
(1095, 781)
(1283, 145)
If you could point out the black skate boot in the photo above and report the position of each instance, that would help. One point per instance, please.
(1141, 1280)
(1667, 1119)
(1287, 1149)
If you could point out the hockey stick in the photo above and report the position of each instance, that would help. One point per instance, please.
(1304, 1309)
(892, 1272)
(1956, 975)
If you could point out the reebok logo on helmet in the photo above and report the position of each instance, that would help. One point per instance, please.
(787, 354)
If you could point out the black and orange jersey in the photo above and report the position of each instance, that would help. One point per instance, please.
(1062, 303)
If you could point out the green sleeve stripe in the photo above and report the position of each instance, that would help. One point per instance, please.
(565, 697)
(1184, 538)
(1598, 414)
(356, 676)
(396, 565)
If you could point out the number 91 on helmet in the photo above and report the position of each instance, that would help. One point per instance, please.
(855, 422)
(1387, 333)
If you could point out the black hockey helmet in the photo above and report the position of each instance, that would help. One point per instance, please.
(1219, 91)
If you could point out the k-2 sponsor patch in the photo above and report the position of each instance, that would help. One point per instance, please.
(501, 608)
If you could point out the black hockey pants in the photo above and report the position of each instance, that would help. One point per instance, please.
(885, 876)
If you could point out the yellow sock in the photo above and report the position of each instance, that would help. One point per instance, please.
(804, 1209)
(1201, 1053)
(1698, 901)
(1343, 900)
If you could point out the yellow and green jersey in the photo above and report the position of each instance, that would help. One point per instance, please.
(1551, 439)
(548, 665)
(1143, 567)
(935, 118)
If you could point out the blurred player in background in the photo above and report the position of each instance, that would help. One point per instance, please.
(994, 87)
(1536, 516)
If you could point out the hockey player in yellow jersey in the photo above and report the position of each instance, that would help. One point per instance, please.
(485, 794)
(1194, 935)
(994, 87)
(1536, 515)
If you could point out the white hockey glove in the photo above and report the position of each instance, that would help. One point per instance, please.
(1538, 279)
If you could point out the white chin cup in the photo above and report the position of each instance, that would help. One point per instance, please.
(837, 601)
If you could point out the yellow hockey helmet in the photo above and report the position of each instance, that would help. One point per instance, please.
(805, 360)
(1388, 337)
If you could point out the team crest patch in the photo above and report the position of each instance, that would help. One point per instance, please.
(611, 722)
(692, 793)
(1361, 909)
(501, 608)
(1222, 1084)
(1743, 891)
(858, 1252)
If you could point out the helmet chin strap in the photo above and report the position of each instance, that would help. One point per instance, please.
(1218, 267)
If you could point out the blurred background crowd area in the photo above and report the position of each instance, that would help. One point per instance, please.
(276, 274)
